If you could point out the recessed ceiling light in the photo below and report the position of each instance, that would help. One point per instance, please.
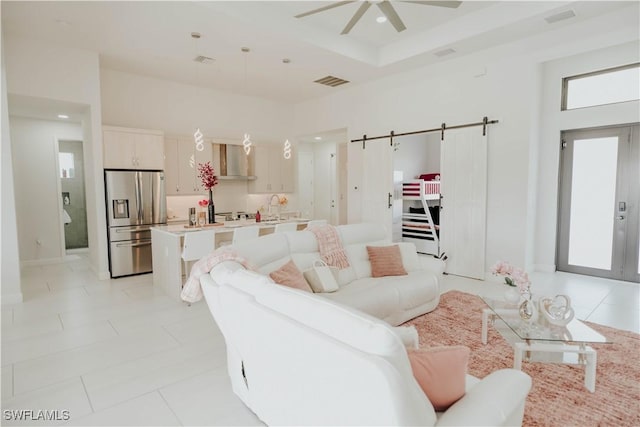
(63, 116)
(318, 138)
(381, 19)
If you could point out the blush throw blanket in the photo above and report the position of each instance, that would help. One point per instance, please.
(331, 249)
(192, 290)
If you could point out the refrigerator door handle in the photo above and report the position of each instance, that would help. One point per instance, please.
(133, 245)
(133, 229)
(138, 190)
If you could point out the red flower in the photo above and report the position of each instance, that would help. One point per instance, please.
(207, 175)
(204, 202)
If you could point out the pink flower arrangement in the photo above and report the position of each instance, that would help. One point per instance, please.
(203, 203)
(512, 276)
(207, 175)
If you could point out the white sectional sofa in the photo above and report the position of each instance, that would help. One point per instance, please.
(394, 299)
(297, 358)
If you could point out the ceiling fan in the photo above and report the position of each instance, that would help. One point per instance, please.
(384, 5)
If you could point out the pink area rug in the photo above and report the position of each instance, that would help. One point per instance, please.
(558, 396)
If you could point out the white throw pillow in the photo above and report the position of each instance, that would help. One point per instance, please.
(321, 277)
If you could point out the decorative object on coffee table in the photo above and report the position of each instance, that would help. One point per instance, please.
(558, 396)
(557, 310)
(515, 278)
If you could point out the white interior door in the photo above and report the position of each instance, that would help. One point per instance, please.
(396, 211)
(377, 184)
(305, 184)
(333, 189)
(464, 199)
(342, 183)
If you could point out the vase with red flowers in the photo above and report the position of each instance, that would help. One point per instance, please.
(208, 177)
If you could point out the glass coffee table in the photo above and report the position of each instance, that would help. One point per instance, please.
(542, 342)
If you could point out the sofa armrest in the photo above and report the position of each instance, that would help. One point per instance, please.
(435, 265)
(497, 400)
(408, 335)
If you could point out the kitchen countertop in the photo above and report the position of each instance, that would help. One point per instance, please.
(179, 229)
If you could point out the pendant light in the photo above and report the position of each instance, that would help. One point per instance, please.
(246, 141)
(198, 137)
(286, 150)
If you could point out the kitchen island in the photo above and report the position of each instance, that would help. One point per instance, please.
(166, 246)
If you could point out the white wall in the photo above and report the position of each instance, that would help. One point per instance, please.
(177, 109)
(555, 121)
(41, 70)
(35, 153)
(502, 83)
(10, 265)
(453, 95)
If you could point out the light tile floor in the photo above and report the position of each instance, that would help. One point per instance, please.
(115, 352)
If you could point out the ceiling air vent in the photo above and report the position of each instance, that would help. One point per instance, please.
(331, 81)
(203, 59)
(444, 52)
(560, 16)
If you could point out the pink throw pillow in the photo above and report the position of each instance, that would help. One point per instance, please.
(289, 275)
(441, 372)
(386, 261)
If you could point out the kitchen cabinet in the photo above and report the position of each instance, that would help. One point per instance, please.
(181, 165)
(274, 173)
(128, 148)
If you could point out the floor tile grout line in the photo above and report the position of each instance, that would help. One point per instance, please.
(114, 328)
(65, 350)
(85, 373)
(84, 386)
(169, 406)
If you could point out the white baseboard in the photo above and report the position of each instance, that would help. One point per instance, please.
(12, 299)
(102, 275)
(545, 268)
(44, 261)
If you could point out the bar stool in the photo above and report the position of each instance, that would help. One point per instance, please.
(196, 245)
(286, 226)
(241, 234)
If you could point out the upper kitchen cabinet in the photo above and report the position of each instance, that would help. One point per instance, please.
(274, 173)
(126, 148)
(181, 165)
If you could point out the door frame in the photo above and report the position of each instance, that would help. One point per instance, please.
(627, 253)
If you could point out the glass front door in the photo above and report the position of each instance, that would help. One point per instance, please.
(600, 190)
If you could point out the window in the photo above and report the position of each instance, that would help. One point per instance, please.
(66, 165)
(609, 86)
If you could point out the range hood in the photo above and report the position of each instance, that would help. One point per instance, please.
(233, 162)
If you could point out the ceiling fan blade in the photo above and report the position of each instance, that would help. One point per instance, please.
(322, 9)
(451, 4)
(356, 17)
(392, 16)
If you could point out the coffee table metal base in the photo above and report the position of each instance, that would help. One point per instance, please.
(587, 356)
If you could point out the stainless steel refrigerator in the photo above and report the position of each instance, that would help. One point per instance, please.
(135, 202)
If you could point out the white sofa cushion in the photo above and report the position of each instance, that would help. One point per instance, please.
(384, 296)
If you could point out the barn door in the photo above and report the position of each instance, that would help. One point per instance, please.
(377, 184)
(463, 163)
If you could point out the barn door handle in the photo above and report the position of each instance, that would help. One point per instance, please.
(389, 201)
